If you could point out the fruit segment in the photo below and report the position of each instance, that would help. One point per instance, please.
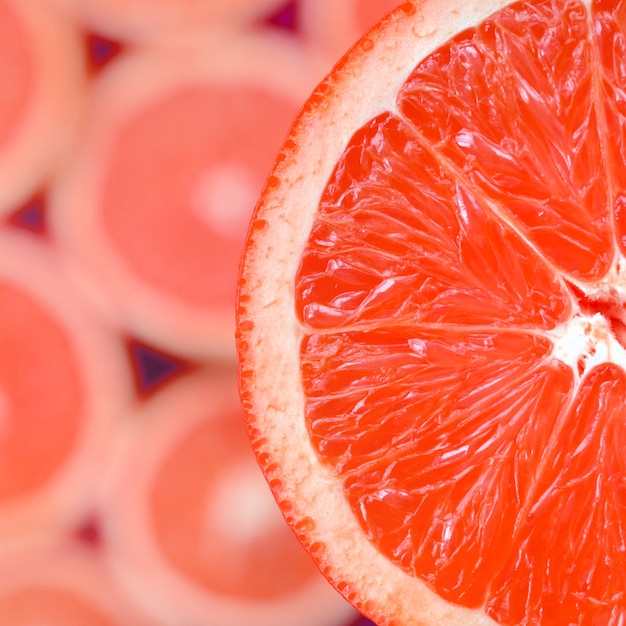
(610, 21)
(512, 106)
(141, 21)
(157, 199)
(399, 241)
(439, 438)
(578, 512)
(196, 536)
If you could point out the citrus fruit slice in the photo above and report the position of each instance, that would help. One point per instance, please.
(158, 195)
(431, 317)
(142, 21)
(196, 535)
(56, 583)
(57, 368)
(41, 66)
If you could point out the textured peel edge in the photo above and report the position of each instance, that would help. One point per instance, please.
(363, 84)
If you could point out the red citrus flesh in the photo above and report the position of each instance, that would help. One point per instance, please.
(459, 297)
(481, 432)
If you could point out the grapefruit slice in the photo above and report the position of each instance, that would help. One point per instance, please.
(431, 317)
(57, 368)
(157, 197)
(51, 582)
(195, 535)
(147, 21)
(42, 68)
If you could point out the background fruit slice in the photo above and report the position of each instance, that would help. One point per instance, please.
(196, 535)
(53, 582)
(463, 433)
(156, 201)
(141, 21)
(73, 379)
(42, 62)
(58, 366)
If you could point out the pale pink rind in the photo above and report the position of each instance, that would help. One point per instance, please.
(362, 85)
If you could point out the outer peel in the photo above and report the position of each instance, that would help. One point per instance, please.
(362, 85)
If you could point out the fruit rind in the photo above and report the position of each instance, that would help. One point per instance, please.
(362, 85)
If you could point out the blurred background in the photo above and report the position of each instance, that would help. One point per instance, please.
(135, 139)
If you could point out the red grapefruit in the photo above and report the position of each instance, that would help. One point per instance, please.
(431, 317)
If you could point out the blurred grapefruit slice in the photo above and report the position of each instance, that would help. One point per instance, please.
(55, 583)
(431, 317)
(141, 21)
(153, 209)
(195, 535)
(56, 412)
(42, 69)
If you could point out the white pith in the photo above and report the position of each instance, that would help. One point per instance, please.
(365, 85)
(586, 337)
